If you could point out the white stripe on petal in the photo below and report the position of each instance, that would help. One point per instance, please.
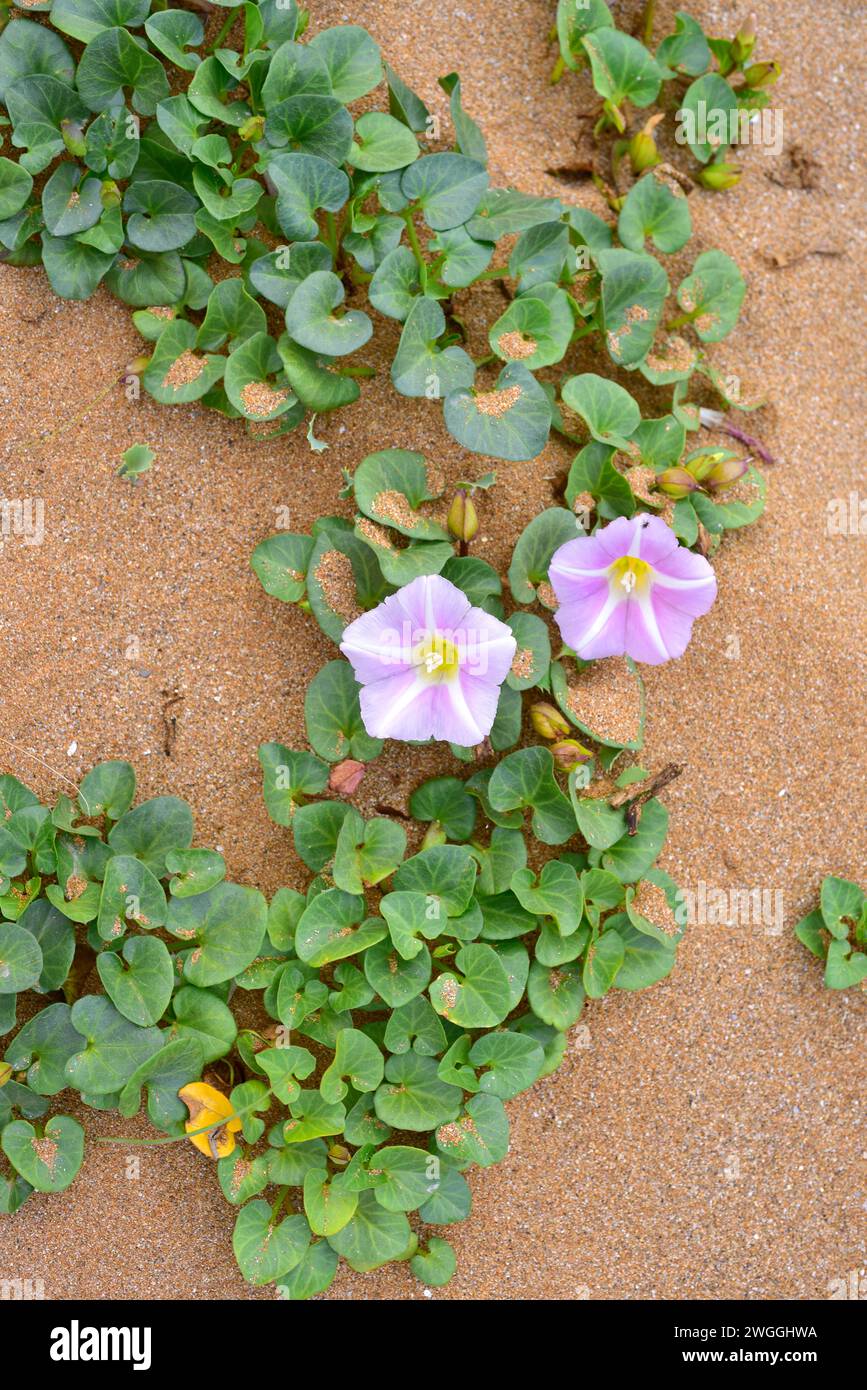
(604, 614)
(645, 605)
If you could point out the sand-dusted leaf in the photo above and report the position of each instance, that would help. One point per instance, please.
(328, 1203)
(177, 373)
(622, 67)
(141, 988)
(150, 830)
(312, 322)
(412, 1097)
(447, 187)
(351, 60)
(50, 1161)
(634, 289)
(226, 925)
(74, 270)
(280, 563)
(15, 187)
(374, 1236)
(71, 202)
(396, 981)
(583, 701)
(504, 211)
(707, 116)
(20, 959)
(511, 1062)
(130, 891)
(478, 997)
(267, 1249)
(535, 329)
(415, 1025)
(113, 1048)
(655, 907)
(195, 870)
(481, 1135)
(630, 857)
(575, 18)
(657, 209)
(304, 182)
(686, 50)
(556, 995)
(712, 295)
(289, 777)
(535, 547)
(602, 962)
(558, 894)
(592, 471)
(332, 716)
(511, 421)
(113, 64)
(332, 927)
(391, 486)
(725, 514)
(256, 383)
(358, 1060)
(422, 368)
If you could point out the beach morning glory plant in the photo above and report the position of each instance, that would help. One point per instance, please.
(430, 665)
(630, 589)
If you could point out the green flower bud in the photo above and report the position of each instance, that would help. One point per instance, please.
(136, 366)
(569, 753)
(434, 835)
(253, 128)
(109, 194)
(744, 40)
(702, 464)
(762, 74)
(676, 482)
(726, 474)
(548, 721)
(719, 176)
(643, 153)
(463, 520)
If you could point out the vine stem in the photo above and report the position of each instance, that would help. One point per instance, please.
(225, 28)
(416, 247)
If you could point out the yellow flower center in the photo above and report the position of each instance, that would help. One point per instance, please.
(438, 658)
(629, 575)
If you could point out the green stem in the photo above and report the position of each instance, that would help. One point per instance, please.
(647, 22)
(363, 372)
(281, 1198)
(416, 247)
(224, 30)
(557, 71)
(331, 238)
(483, 361)
(680, 321)
(497, 274)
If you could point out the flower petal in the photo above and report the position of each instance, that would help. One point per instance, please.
(595, 626)
(399, 706)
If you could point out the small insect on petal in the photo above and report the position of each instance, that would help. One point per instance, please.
(209, 1107)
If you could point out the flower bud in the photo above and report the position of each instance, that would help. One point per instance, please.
(719, 176)
(725, 474)
(463, 520)
(73, 137)
(676, 482)
(136, 366)
(434, 835)
(744, 40)
(569, 753)
(339, 1155)
(345, 777)
(643, 153)
(5, 1073)
(109, 194)
(761, 74)
(548, 721)
(253, 128)
(702, 464)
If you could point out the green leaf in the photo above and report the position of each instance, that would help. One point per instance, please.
(231, 314)
(74, 270)
(204, 1019)
(468, 136)
(328, 1203)
(403, 102)
(479, 996)
(592, 471)
(84, 19)
(160, 215)
(247, 380)
(504, 211)
(622, 67)
(634, 290)
(603, 960)
(41, 109)
(227, 925)
(443, 800)
(113, 63)
(840, 900)
(480, 1136)
(447, 188)
(196, 871)
(367, 852)
(535, 547)
(373, 1237)
(152, 829)
(56, 938)
(129, 891)
(382, 143)
(390, 487)
(646, 961)
(415, 1025)
(557, 894)
(526, 778)
(280, 563)
(556, 995)
(464, 258)
(712, 295)
(396, 981)
(412, 1097)
(329, 928)
(358, 1060)
(332, 716)
(655, 207)
(50, 1162)
(422, 368)
(351, 59)
(395, 285)
(173, 32)
(304, 182)
(311, 124)
(844, 967)
(317, 829)
(600, 824)
(513, 1062)
(277, 276)
(535, 329)
(43, 1047)
(437, 1265)
(288, 777)
(142, 991)
(326, 580)
(630, 857)
(312, 1275)
(311, 321)
(162, 1076)
(113, 1047)
(157, 278)
(445, 874)
(15, 187)
(722, 515)
(810, 932)
(687, 49)
(705, 116)
(194, 375)
(32, 50)
(510, 422)
(575, 18)
(317, 386)
(267, 1249)
(211, 90)
(20, 959)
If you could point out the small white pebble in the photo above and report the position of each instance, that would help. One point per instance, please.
(73, 748)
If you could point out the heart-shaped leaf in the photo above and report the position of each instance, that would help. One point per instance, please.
(48, 1161)
(447, 188)
(481, 1135)
(142, 991)
(266, 1249)
(412, 1097)
(311, 321)
(634, 290)
(655, 207)
(712, 295)
(478, 997)
(112, 64)
(526, 778)
(329, 928)
(510, 422)
(152, 829)
(332, 716)
(113, 1047)
(420, 366)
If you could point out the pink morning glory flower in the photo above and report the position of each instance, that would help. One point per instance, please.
(631, 589)
(429, 664)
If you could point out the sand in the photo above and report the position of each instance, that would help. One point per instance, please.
(702, 1139)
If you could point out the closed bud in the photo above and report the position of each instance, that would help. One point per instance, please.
(761, 75)
(744, 40)
(339, 1155)
(434, 835)
(726, 474)
(719, 176)
(702, 464)
(548, 721)
(5, 1073)
(643, 153)
(253, 128)
(110, 195)
(345, 777)
(676, 482)
(136, 366)
(569, 753)
(463, 520)
(73, 137)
